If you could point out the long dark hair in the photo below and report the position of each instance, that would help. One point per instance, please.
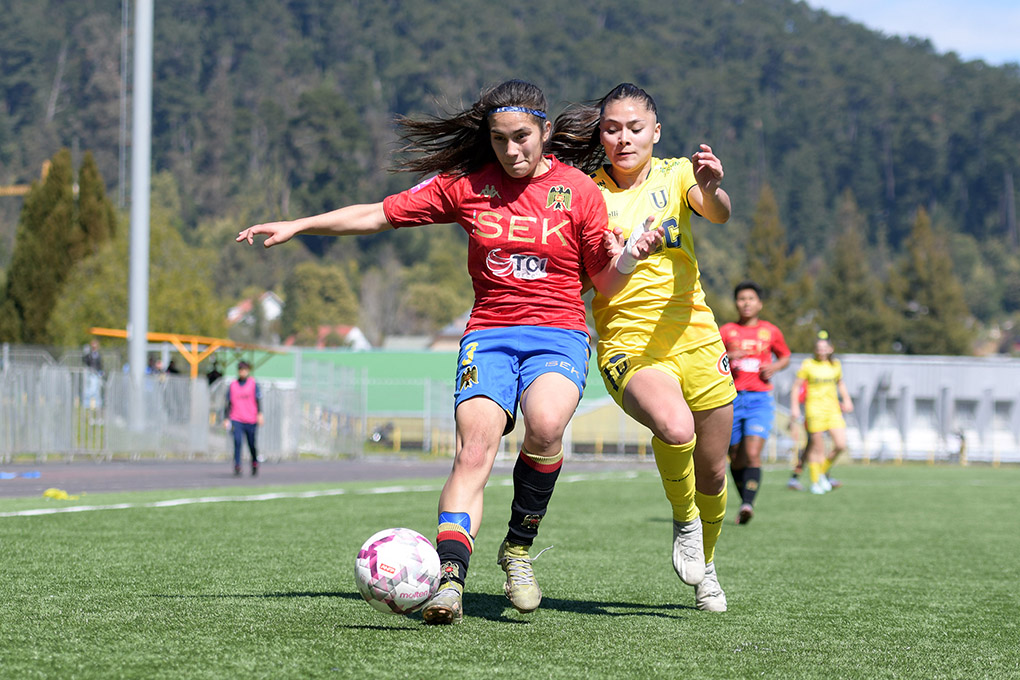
(459, 144)
(575, 134)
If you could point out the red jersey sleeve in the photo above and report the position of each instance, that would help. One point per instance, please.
(431, 201)
(594, 256)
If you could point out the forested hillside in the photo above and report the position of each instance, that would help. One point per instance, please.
(273, 108)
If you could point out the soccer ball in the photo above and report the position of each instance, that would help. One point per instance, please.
(397, 570)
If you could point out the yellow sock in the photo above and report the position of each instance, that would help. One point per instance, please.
(713, 510)
(826, 466)
(816, 472)
(676, 468)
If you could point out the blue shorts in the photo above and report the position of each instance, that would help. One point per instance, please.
(500, 363)
(753, 413)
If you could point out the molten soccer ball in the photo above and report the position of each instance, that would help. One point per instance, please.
(397, 570)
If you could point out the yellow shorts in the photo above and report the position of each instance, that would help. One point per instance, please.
(823, 422)
(703, 374)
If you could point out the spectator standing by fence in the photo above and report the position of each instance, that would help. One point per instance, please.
(92, 395)
(243, 415)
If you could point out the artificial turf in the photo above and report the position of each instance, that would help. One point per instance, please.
(905, 572)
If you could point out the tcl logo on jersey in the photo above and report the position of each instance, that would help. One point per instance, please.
(518, 265)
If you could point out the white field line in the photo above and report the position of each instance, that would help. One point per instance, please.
(567, 479)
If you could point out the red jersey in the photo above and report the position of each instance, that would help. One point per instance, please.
(754, 345)
(529, 240)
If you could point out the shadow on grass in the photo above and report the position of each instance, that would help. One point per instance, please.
(497, 608)
(482, 605)
(233, 596)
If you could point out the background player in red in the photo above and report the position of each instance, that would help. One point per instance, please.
(751, 344)
(534, 225)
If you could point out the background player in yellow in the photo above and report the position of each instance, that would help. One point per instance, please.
(826, 401)
(660, 319)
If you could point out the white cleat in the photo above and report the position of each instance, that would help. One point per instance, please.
(817, 489)
(826, 484)
(708, 594)
(689, 551)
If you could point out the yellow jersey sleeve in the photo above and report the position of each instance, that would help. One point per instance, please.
(662, 310)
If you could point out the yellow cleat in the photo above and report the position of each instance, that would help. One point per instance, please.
(521, 588)
(446, 606)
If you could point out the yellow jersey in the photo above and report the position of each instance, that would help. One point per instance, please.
(822, 378)
(661, 311)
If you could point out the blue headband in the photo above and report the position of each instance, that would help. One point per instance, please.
(518, 109)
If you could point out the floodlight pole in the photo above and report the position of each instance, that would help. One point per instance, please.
(141, 160)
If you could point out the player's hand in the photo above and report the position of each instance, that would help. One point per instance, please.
(848, 407)
(766, 372)
(277, 233)
(708, 170)
(647, 242)
(641, 243)
(226, 425)
(612, 241)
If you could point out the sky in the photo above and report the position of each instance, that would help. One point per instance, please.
(974, 29)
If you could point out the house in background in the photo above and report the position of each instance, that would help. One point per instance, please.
(242, 319)
(349, 337)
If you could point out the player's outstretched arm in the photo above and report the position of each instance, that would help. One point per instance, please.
(708, 198)
(642, 242)
(353, 220)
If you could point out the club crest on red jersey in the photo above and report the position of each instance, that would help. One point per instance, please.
(559, 198)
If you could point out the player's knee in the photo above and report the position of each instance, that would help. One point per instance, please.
(676, 433)
(543, 442)
(544, 433)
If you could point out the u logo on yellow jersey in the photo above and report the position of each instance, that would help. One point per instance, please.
(658, 197)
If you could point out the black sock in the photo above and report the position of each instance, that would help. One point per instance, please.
(533, 487)
(752, 480)
(454, 555)
(739, 478)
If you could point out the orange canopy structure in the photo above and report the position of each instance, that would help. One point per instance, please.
(196, 348)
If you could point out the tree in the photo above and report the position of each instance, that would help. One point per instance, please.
(853, 308)
(56, 230)
(930, 298)
(96, 216)
(42, 252)
(181, 297)
(439, 288)
(779, 272)
(316, 295)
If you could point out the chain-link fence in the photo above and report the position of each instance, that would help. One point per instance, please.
(907, 408)
(50, 408)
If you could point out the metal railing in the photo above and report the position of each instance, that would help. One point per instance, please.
(907, 408)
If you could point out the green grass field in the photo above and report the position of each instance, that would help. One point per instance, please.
(905, 572)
